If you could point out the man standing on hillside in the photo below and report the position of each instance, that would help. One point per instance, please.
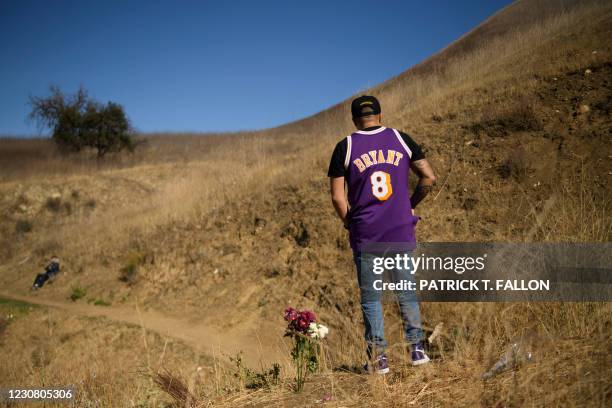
(374, 162)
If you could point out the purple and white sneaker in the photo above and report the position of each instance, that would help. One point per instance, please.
(379, 366)
(418, 354)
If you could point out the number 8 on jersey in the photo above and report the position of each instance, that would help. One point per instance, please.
(381, 185)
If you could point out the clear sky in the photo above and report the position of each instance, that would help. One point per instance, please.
(216, 65)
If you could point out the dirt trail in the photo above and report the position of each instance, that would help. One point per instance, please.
(204, 338)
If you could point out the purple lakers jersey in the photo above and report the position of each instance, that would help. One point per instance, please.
(377, 166)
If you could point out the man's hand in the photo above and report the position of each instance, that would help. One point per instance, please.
(427, 180)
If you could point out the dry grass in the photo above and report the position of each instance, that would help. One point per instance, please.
(213, 224)
(174, 387)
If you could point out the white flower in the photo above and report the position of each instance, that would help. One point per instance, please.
(323, 330)
(317, 331)
(312, 330)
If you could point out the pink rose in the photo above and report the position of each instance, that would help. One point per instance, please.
(302, 323)
(291, 314)
(308, 315)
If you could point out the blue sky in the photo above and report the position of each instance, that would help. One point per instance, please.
(216, 65)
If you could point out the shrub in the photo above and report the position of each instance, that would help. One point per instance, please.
(77, 293)
(129, 272)
(53, 204)
(23, 226)
(515, 165)
(251, 379)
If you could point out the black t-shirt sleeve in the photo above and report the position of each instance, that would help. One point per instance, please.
(417, 152)
(336, 164)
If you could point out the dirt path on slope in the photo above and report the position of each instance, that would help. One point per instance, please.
(203, 338)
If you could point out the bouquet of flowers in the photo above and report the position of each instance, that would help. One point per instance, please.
(306, 333)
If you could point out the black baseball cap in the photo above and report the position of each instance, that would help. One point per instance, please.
(365, 105)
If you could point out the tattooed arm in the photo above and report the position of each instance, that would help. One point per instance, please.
(427, 180)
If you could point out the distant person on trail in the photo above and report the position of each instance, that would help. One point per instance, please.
(374, 162)
(50, 273)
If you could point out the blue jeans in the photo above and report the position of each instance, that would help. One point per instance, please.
(371, 304)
